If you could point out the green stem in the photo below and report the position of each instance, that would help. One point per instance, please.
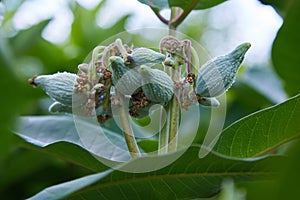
(92, 72)
(163, 139)
(159, 16)
(172, 28)
(127, 130)
(195, 60)
(184, 14)
(174, 115)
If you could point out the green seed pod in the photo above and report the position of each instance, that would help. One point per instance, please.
(59, 86)
(217, 75)
(208, 101)
(156, 84)
(125, 79)
(144, 56)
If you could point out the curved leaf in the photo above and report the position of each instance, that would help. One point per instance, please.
(72, 153)
(286, 48)
(184, 4)
(262, 132)
(188, 177)
(45, 130)
(202, 4)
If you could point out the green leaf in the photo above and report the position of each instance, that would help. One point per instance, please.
(262, 132)
(286, 48)
(46, 130)
(184, 4)
(71, 153)
(202, 4)
(188, 177)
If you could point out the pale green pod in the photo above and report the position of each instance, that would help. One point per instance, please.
(57, 107)
(217, 75)
(145, 56)
(59, 86)
(213, 102)
(125, 79)
(157, 85)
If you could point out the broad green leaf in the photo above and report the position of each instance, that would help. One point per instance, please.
(286, 48)
(262, 132)
(72, 153)
(188, 177)
(184, 4)
(45, 130)
(202, 4)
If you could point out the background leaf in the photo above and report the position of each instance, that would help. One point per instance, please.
(184, 4)
(202, 4)
(286, 48)
(262, 132)
(188, 177)
(280, 6)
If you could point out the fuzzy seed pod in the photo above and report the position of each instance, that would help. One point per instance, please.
(217, 75)
(144, 56)
(59, 86)
(157, 85)
(126, 80)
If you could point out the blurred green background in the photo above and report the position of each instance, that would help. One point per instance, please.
(30, 48)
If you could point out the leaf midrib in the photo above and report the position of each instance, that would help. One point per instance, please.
(275, 146)
(168, 176)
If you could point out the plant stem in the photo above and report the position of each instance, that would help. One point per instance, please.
(92, 72)
(127, 130)
(163, 135)
(174, 115)
(161, 18)
(185, 13)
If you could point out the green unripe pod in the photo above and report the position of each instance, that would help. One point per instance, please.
(145, 56)
(125, 79)
(217, 75)
(156, 84)
(59, 86)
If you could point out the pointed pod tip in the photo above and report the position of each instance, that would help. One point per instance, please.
(243, 47)
(240, 51)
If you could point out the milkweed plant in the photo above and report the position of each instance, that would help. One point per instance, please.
(118, 73)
